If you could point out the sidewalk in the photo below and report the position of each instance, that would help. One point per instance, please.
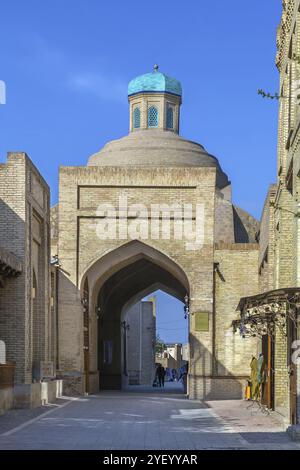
(256, 427)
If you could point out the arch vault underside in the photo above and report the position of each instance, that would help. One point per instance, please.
(125, 281)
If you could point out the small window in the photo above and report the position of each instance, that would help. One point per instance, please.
(152, 117)
(137, 118)
(170, 118)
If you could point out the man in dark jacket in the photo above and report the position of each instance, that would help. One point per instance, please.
(160, 372)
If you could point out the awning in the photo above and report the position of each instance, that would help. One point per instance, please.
(288, 294)
(264, 313)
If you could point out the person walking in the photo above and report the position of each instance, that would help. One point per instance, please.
(183, 376)
(160, 372)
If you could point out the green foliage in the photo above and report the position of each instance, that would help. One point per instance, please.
(159, 345)
(268, 95)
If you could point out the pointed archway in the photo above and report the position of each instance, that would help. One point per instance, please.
(119, 278)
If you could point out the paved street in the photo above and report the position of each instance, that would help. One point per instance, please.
(142, 419)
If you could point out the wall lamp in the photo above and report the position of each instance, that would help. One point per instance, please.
(186, 307)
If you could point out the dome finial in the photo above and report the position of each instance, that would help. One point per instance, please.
(155, 68)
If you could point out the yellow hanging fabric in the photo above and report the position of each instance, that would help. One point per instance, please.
(254, 379)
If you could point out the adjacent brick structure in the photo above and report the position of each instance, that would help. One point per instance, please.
(24, 232)
(279, 235)
(285, 240)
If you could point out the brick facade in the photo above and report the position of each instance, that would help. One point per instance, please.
(24, 232)
(287, 240)
(83, 255)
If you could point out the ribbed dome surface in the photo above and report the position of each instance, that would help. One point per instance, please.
(156, 148)
(154, 82)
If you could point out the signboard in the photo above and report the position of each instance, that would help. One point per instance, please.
(201, 321)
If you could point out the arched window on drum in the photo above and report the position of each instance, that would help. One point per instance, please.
(136, 118)
(152, 117)
(170, 118)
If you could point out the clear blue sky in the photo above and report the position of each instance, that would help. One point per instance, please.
(171, 325)
(67, 64)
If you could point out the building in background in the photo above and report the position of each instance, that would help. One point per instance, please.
(171, 357)
(185, 352)
(139, 345)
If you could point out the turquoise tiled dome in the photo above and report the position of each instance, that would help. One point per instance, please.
(154, 82)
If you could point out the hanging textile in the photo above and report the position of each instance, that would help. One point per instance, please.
(260, 369)
(254, 379)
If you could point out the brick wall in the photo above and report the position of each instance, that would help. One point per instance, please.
(237, 277)
(23, 192)
(282, 270)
